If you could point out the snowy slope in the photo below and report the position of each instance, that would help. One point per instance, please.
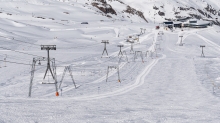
(170, 7)
(166, 83)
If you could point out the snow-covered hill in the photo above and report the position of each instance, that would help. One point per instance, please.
(126, 10)
(160, 78)
(161, 10)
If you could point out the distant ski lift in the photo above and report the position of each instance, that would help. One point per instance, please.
(84, 23)
(39, 63)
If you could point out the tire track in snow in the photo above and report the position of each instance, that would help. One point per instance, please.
(216, 46)
(103, 78)
(127, 88)
(211, 43)
(114, 54)
(186, 33)
(139, 81)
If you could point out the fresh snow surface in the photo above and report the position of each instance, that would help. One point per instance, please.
(172, 84)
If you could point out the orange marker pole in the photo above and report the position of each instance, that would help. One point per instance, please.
(57, 94)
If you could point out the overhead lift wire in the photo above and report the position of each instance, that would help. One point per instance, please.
(60, 61)
(59, 48)
(20, 63)
(16, 62)
(78, 46)
(18, 40)
(26, 47)
(24, 53)
(58, 66)
(18, 43)
(91, 64)
(41, 56)
(15, 58)
(19, 52)
(39, 45)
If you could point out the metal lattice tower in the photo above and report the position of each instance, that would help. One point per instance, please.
(110, 68)
(202, 46)
(49, 66)
(138, 53)
(124, 53)
(132, 46)
(48, 48)
(144, 30)
(105, 50)
(67, 68)
(138, 39)
(141, 30)
(38, 59)
(160, 33)
(147, 53)
(159, 38)
(120, 52)
(157, 46)
(181, 41)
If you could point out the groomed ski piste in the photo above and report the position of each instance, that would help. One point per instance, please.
(172, 83)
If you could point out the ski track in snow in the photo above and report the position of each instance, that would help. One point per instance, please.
(139, 80)
(168, 88)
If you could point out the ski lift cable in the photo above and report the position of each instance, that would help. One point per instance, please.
(24, 53)
(15, 58)
(20, 63)
(90, 64)
(23, 45)
(78, 46)
(36, 46)
(13, 39)
(16, 62)
(20, 52)
(13, 62)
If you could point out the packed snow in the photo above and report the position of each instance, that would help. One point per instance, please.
(163, 83)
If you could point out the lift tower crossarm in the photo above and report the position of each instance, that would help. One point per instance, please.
(120, 52)
(48, 48)
(105, 50)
